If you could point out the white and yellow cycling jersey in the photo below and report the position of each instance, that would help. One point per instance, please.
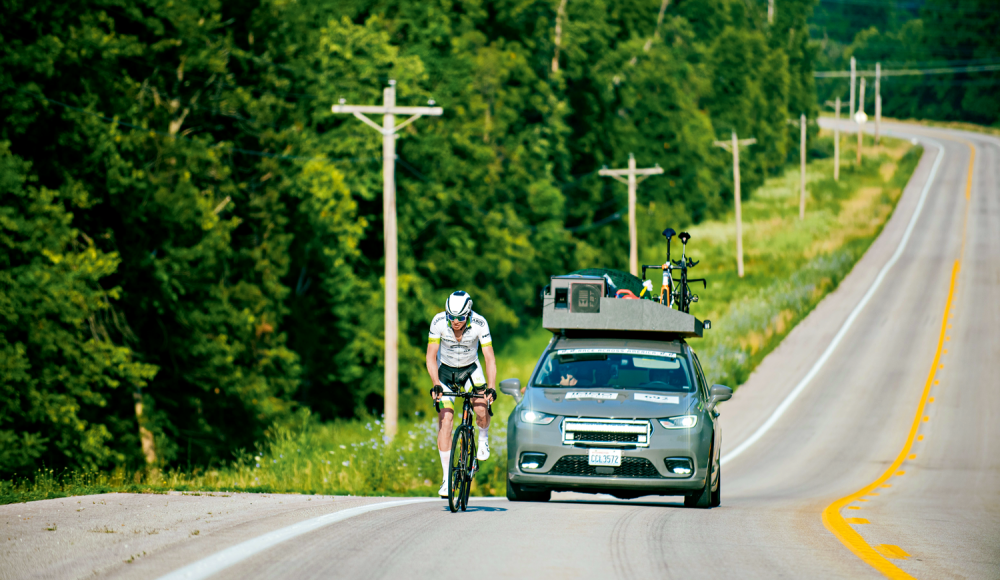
(459, 353)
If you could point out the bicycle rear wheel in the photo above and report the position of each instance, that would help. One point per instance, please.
(459, 470)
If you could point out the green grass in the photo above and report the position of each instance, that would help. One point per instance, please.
(791, 265)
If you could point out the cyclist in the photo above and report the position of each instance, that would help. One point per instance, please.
(452, 351)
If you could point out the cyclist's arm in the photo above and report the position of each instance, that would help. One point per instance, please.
(491, 366)
(432, 365)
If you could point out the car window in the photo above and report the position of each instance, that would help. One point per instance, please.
(701, 375)
(616, 368)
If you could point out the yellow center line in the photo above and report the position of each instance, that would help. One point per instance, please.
(839, 525)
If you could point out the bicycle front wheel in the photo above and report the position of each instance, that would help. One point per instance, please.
(459, 470)
(470, 458)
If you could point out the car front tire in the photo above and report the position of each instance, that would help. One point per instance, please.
(717, 494)
(705, 498)
(516, 493)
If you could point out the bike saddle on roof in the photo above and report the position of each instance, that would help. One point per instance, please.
(684, 236)
(669, 233)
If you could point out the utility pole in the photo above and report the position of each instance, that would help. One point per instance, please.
(854, 64)
(389, 128)
(560, 13)
(878, 100)
(631, 173)
(802, 163)
(802, 166)
(861, 117)
(734, 146)
(836, 139)
(836, 143)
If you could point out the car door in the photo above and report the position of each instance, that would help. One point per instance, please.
(713, 414)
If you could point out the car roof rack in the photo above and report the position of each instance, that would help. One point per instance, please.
(580, 305)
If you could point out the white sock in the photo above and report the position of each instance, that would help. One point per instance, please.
(484, 433)
(445, 460)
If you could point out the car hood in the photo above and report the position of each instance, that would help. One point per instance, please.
(610, 403)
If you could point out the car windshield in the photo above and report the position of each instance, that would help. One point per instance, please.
(615, 368)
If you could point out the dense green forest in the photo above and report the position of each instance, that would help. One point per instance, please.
(192, 243)
(923, 35)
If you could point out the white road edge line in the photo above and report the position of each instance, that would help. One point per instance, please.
(233, 555)
(850, 319)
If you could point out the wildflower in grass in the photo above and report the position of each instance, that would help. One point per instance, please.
(346, 463)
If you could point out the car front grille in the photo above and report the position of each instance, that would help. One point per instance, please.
(606, 432)
(579, 465)
(606, 437)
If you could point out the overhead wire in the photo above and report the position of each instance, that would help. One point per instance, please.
(910, 72)
(911, 6)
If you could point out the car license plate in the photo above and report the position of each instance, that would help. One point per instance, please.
(606, 457)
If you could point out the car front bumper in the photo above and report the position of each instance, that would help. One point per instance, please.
(694, 443)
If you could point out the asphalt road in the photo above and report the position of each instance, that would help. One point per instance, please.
(898, 387)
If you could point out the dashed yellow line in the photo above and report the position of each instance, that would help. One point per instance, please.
(878, 557)
(839, 525)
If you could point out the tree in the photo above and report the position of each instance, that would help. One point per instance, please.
(62, 373)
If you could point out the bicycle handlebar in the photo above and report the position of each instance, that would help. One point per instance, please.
(464, 395)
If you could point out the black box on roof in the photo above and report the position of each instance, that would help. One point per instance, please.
(576, 304)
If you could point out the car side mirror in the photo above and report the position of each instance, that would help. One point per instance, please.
(511, 387)
(718, 394)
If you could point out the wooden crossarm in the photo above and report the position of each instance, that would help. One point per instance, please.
(382, 110)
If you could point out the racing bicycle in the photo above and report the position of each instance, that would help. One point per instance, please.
(676, 293)
(464, 464)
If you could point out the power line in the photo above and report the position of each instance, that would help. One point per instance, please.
(943, 62)
(911, 72)
(913, 6)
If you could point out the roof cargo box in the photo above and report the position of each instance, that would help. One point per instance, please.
(578, 304)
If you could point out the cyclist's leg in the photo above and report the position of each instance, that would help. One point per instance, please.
(478, 381)
(446, 423)
(480, 408)
(446, 420)
(446, 415)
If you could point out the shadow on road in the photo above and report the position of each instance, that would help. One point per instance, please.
(481, 508)
(601, 499)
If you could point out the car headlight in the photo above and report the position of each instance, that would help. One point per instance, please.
(681, 422)
(536, 417)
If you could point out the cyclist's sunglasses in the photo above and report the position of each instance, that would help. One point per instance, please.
(461, 318)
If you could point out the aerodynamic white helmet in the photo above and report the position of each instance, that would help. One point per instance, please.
(458, 305)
